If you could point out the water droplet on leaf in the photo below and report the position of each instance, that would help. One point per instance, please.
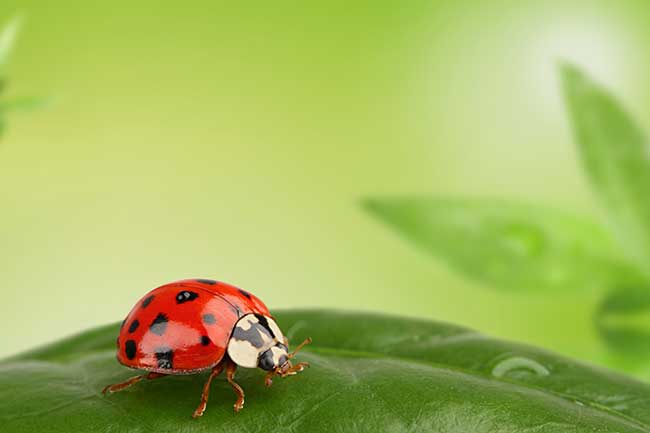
(515, 365)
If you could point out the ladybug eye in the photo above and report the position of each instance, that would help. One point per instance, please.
(265, 361)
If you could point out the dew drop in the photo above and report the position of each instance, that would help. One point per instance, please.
(518, 363)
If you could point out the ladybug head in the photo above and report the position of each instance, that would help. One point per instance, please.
(277, 361)
(257, 341)
(273, 358)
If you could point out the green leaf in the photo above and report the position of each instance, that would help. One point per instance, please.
(368, 373)
(615, 156)
(623, 321)
(27, 103)
(508, 245)
(7, 40)
(18, 104)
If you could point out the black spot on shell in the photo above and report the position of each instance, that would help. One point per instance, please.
(130, 349)
(209, 319)
(205, 281)
(159, 324)
(134, 326)
(165, 357)
(147, 301)
(245, 293)
(205, 340)
(186, 296)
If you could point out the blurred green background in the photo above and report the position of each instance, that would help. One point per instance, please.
(235, 141)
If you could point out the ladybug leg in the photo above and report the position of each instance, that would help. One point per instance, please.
(216, 370)
(268, 379)
(297, 368)
(120, 386)
(231, 368)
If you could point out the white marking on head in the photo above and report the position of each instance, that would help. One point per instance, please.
(247, 321)
(277, 355)
(250, 338)
(243, 353)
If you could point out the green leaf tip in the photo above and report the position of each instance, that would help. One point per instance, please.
(369, 204)
(615, 157)
(8, 37)
(569, 70)
(382, 208)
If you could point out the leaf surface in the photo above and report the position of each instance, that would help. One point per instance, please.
(369, 373)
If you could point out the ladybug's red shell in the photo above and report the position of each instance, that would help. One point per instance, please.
(183, 327)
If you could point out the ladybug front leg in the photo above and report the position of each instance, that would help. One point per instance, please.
(216, 370)
(231, 368)
(120, 386)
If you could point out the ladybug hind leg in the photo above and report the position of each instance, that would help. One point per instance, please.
(127, 383)
(216, 370)
(231, 368)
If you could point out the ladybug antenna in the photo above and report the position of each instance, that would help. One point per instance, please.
(300, 346)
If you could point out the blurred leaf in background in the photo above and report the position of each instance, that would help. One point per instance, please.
(508, 245)
(615, 158)
(533, 249)
(623, 321)
(8, 37)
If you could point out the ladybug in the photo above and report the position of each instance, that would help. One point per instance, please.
(190, 326)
